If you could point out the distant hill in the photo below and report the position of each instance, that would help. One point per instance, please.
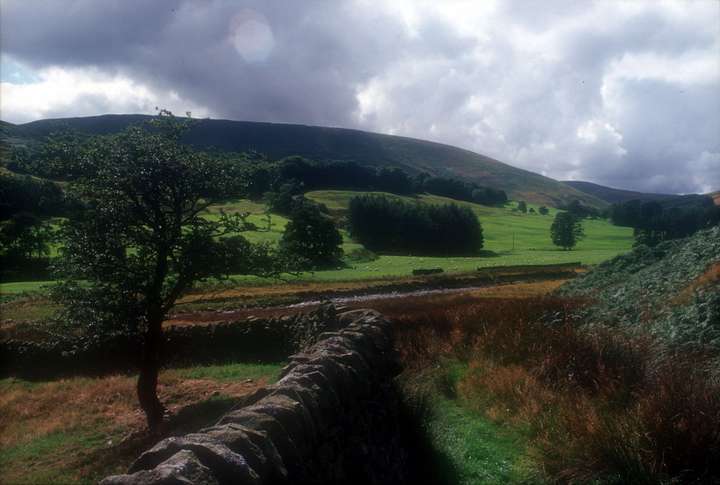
(278, 140)
(611, 195)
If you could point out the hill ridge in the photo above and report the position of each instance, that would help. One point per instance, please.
(278, 140)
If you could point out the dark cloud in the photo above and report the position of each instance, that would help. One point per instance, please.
(608, 91)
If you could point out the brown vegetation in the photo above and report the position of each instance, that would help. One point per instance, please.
(105, 409)
(710, 277)
(599, 404)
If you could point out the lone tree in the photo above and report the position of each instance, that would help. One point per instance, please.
(312, 237)
(522, 206)
(543, 210)
(139, 241)
(566, 230)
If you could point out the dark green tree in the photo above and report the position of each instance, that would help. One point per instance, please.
(543, 210)
(23, 237)
(389, 225)
(522, 206)
(283, 200)
(312, 237)
(139, 240)
(566, 230)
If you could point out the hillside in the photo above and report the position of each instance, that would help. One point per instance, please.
(321, 143)
(612, 195)
(674, 289)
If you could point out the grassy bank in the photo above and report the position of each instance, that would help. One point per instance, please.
(593, 405)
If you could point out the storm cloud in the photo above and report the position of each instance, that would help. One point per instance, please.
(625, 94)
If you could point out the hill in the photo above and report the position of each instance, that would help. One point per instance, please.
(278, 140)
(612, 195)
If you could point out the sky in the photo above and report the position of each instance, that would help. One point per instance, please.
(620, 93)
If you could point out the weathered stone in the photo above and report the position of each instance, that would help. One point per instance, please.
(255, 446)
(227, 466)
(292, 415)
(307, 397)
(182, 468)
(272, 428)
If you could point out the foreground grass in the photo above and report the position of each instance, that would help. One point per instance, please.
(478, 450)
(468, 447)
(598, 406)
(80, 429)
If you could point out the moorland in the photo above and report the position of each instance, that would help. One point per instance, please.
(522, 361)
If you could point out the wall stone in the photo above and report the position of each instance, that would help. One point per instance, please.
(331, 418)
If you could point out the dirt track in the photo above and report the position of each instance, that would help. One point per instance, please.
(518, 289)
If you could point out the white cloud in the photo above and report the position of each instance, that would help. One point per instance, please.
(623, 93)
(61, 92)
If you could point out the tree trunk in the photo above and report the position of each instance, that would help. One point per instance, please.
(149, 370)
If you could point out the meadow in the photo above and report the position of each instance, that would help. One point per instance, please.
(511, 238)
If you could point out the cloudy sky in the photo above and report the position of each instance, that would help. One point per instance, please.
(622, 93)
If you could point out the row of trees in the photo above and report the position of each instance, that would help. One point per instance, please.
(657, 221)
(385, 224)
(299, 174)
(26, 206)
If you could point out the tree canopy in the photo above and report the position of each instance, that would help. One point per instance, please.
(138, 239)
(312, 238)
(566, 230)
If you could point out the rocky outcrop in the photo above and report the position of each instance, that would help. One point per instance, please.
(331, 418)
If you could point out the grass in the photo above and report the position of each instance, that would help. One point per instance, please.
(465, 447)
(232, 372)
(511, 238)
(597, 405)
(81, 429)
(18, 287)
(479, 450)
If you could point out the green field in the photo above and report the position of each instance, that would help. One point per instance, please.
(511, 238)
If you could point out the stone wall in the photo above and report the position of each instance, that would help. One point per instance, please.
(331, 418)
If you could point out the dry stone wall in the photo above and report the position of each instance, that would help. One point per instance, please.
(331, 418)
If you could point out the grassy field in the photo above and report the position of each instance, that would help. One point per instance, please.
(511, 238)
(80, 429)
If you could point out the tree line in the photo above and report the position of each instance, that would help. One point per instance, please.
(304, 175)
(657, 221)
